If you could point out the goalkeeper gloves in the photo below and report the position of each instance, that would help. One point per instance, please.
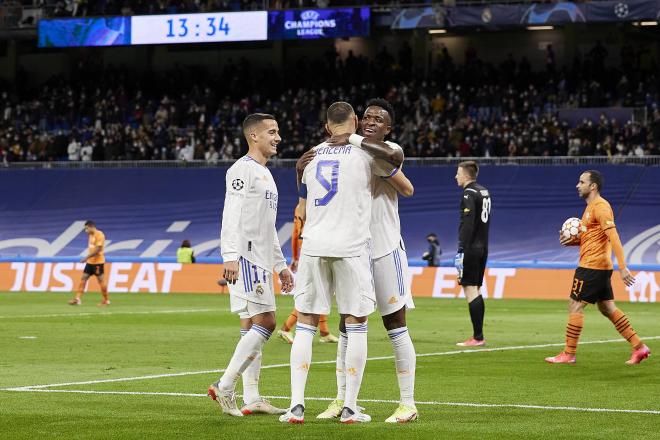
(458, 263)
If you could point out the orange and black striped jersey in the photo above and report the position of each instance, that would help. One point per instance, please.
(595, 246)
(296, 234)
(96, 239)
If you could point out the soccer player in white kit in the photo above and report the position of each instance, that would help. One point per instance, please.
(390, 269)
(335, 260)
(250, 252)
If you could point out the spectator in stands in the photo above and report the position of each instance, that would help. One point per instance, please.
(74, 150)
(432, 256)
(211, 156)
(86, 152)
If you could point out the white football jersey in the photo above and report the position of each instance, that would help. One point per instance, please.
(385, 224)
(338, 183)
(248, 218)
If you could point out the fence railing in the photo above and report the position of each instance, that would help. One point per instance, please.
(290, 163)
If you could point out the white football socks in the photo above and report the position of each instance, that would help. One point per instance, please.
(341, 361)
(247, 350)
(251, 378)
(301, 358)
(405, 360)
(356, 359)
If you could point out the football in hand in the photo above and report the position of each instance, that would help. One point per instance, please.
(572, 228)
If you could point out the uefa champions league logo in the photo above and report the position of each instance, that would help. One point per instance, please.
(621, 10)
(310, 15)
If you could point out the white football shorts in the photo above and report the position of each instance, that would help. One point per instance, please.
(253, 292)
(348, 279)
(392, 282)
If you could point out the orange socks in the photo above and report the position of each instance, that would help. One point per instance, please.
(620, 321)
(323, 325)
(293, 318)
(290, 321)
(573, 330)
(104, 292)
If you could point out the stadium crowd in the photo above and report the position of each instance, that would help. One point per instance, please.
(468, 109)
(78, 8)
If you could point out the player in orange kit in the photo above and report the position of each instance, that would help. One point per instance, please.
(95, 260)
(592, 283)
(296, 243)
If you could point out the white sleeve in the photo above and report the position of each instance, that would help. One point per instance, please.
(237, 182)
(278, 257)
(383, 168)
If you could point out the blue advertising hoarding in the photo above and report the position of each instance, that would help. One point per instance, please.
(318, 23)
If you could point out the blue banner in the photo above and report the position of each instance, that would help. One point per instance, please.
(72, 32)
(318, 23)
(494, 15)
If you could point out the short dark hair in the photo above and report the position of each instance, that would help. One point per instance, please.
(90, 223)
(596, 177)
(432, 235)
(185, 243)
(339, 112)
(470, 167)
(254, 119)
(385, 105)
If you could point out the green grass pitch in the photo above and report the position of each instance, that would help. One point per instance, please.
(43, 341)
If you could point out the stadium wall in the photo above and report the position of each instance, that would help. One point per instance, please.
(146, 213)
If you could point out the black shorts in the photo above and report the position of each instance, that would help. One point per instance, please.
(94, 269)
(592, 285)
(474, 266)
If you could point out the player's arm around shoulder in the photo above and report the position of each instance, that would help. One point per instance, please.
(401, 183)
(391, 153)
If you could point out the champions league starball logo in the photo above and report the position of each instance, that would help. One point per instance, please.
(237, 184)
(310, 15)
(621, 10)
(310, 24)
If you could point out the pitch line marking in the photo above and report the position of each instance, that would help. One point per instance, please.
(146, 312)
(266, 367)
(430, 403)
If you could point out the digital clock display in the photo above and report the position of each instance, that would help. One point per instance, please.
(199, 28)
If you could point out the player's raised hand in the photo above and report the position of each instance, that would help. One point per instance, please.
(304, 160)
(231, 271)
(339, 139)
(626, 277)
(287, 280)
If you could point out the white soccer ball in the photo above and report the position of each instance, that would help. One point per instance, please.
(572, 228)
